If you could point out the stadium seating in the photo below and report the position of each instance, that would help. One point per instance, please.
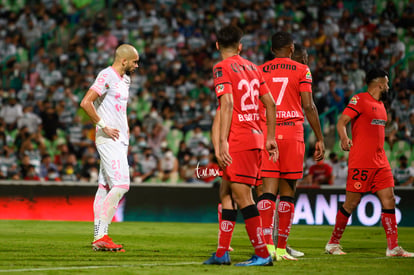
(401, 147)
(174, 138)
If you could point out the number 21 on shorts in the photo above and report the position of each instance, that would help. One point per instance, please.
(116, 164)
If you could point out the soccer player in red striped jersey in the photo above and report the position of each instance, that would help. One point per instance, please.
(239, 86)
(369, 169)
(290, 83)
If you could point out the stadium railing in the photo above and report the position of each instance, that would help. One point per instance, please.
(62, 201)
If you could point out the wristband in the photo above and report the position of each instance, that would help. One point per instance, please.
(101, 124)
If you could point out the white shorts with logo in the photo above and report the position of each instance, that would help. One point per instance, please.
(114, 168)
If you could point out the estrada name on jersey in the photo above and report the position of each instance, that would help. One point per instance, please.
(368, 132)
(286, 79)
(111, 105)
(242, 79)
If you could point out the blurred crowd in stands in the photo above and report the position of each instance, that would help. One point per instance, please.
(51, 52)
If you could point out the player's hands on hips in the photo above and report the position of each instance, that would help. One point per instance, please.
(346, 144)
(271, 147)
(111, 132)
(319, 153)
(224, 159)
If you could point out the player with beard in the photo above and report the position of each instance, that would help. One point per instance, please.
(369, 169)
(106, 105)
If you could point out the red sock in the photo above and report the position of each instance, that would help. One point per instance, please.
(267, 212)
(340, 224)
(254, 230)
(224, 239)
(390, 226)
(285, 210)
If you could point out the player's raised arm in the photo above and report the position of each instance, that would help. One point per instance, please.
(346, 143)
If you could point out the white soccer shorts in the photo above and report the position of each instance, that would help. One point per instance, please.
(114, 168)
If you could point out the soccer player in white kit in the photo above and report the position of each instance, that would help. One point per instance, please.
(106, 105)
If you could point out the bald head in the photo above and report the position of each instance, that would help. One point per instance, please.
(125, 51)
(126, 59)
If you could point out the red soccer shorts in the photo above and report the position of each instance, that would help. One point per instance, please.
(245, 167)
(290, 162)
(362, 180)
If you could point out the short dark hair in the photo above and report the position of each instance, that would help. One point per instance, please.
(299, 48)
(229, 36)
(299, 51)
(374, 74)
(281, 40)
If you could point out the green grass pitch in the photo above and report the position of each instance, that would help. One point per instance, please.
(46, 247)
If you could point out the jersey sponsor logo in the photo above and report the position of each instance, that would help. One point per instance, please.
(249, 117)
(354, 100)
(120, 108)
(357, 185)
(264, 205)
(218, 72)
(219, 88)
(288, 123)
(287, 114)
(284, 207)
(226, 226)
(272, 67)
(378, 122)
(237, 68)
(308, 75)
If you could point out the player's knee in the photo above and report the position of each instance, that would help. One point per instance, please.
(287, 199)
(388, 203)
(350, 206)
(267, 196)
(249, 212)
(121, 190)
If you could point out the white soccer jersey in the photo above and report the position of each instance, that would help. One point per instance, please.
(111, 104)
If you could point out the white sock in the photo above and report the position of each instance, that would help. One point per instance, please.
(97, 209)
(109, 206)
(102, 229)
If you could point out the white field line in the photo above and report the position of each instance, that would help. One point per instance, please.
(91, 267)
(168, 264)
